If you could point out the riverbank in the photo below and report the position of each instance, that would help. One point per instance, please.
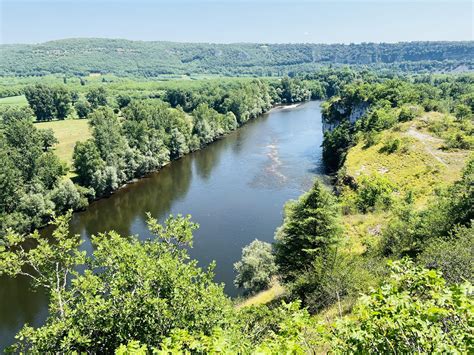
(227, 188)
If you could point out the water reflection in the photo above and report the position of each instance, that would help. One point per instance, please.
(235, 189)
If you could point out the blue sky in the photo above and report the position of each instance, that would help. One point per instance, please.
(223, 21)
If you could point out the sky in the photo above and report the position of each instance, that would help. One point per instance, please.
(226, 21)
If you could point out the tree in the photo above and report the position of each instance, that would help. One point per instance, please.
(123, 100)
(49, 169)
(48, 102)
(66, 196)
(87, 161)
(48, 140)
(26, 145)
(310, 228)
(62, 102)
(412, 312)
(97, 97)
(202, 128)
(83, 108)
(48, 264)
(178, 146)
(453, 256)
(10, 181)
(145, 291)
(107, 134)
(41, 100)
(335, 146)
(256, 268)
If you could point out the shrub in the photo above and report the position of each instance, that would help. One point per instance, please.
(414, 312)
(256, 268)
(390, 146)
(66, 196)
(374, 192)
(453, 256)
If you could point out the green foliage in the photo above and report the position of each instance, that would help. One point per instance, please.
(256, 268)
(83, 108)
(29, 171)
(144, 291)
(452, 255)
(371, 106)
(86, 56)
(409, 112)
(87, 161)
(49, 102)
(293, 90)
(332, 278)
(335, 145)
(66, 196)
(374, 192)
(410, 231)
(97, 97)
(391, 146)
(413, 312)
(310, 228)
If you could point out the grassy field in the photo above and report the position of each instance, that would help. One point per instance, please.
(420, 165)
(19, 100)
(68, 132)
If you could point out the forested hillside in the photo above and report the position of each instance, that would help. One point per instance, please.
(151, 59)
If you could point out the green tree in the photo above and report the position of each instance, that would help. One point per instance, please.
(87, 161)
(256, 268)
(145, 291)
(49, 169)
(11, 182)
(48, 140)
(310, 228)
(97, 97)
(107, 134)
(62, 102)
(83, 108)
(41, 100)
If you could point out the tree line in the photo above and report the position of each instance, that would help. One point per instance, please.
(130, 138)
(81, 57)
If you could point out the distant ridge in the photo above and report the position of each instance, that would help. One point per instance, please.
(82, 56)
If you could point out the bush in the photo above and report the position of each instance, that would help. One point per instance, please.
(256, 268)
(329, 280)
(409, 112)
(374, 192)
(66, 196)
(414, 312)
(453, 256)
(390, 146)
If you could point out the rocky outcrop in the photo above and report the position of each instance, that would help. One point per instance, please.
(340, 112)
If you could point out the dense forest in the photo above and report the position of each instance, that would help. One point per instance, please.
(130, 138)
(379, 261)
(79, 57)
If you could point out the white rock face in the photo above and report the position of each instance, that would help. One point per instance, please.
(356, 112)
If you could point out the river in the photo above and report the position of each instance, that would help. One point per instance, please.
(235, 189)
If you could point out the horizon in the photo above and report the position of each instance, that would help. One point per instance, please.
(183, 21)
(231, 43)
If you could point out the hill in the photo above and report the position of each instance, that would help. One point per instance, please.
(152, 59)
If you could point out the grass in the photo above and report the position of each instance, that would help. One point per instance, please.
(419, 165)
(19, 100)
(68, 132)
(263, 297)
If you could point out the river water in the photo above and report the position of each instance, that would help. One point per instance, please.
(235, 189)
